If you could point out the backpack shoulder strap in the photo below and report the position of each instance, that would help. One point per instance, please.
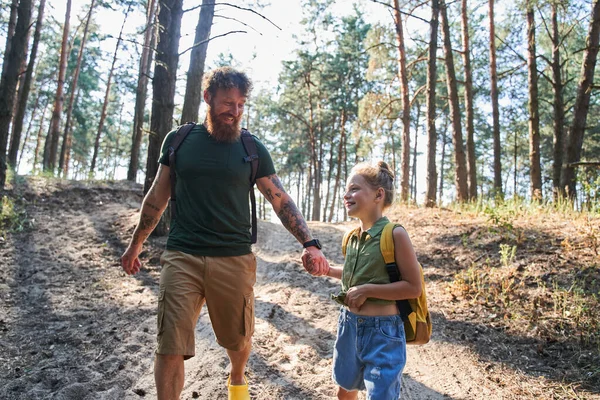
(178, 138)
(386, 245)
(346, 238)
(252, 153)
(252, 158)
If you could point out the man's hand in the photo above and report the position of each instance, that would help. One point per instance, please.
(314, 261)
(130, 262)
(356, 296)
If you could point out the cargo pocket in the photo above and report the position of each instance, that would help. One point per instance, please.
(248, 315)
(161, 312)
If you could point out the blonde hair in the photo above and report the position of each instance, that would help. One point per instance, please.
(377, 176)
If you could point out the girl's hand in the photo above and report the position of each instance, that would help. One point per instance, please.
(356, 296)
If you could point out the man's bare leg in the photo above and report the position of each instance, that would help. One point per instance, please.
(169, 376)
(238, 363)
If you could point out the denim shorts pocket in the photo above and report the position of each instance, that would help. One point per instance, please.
(393, 331)
(248, 315)
(161, 311)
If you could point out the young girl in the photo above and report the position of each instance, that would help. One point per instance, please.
(370, 349)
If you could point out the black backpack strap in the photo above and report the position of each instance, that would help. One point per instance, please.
(252, 158)
(403, 305)
(180, 135)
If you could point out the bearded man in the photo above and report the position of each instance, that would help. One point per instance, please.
(209, 256)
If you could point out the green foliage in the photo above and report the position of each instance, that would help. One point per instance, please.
(13, 217)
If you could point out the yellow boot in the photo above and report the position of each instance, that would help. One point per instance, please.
(238, 392)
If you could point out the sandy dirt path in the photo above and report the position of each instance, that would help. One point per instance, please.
(74, 326)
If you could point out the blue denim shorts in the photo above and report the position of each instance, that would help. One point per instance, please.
(370, 353)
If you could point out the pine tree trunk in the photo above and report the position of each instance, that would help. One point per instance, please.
(431, 194)
(414, 163)
(163, 92)
(33, 118)
(582, 103)
(471, 164)
(193, 87)
(51, 147)
(443, 161)
(559, 108)
(142, 90)
(9, 79)
(38, 143)
(534, 116)
(24, 90)
(63, 164)
(462, 193)
(403, 75)
(495, 107)
(12, 23)
(107, 95)
(338, 172)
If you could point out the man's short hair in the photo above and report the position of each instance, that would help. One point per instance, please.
(226, 78)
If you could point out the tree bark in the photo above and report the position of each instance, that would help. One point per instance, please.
(24, 90)
(51, 147)
(582, 103)
(534, 116)
(142, 90)
(495, 107)
(431, 194)
(107, 95)
(9, 79)
(338, 172)
(414, 155)
(63, 162)
(12, 23)
(462, 193)
(559, 108)
(38, 142)
(163, 92)
(193, 87)
(443, 160)
(33, 117)
(403, 75)
(471, 163)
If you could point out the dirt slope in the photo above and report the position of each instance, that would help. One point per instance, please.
(73, 326)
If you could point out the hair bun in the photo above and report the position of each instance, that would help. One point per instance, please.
(383, 167)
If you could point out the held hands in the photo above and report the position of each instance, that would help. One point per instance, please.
(130, 262)
(314, 261)
(356, 296)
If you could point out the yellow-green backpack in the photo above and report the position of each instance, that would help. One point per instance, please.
(414, 312)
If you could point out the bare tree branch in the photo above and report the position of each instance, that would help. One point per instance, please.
(208, 40)
(237, 20)
(239, 8)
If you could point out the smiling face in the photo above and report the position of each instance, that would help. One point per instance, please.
(224, 114)
(360, 198)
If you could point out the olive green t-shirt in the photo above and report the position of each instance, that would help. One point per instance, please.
(213, 182)
(364, 262)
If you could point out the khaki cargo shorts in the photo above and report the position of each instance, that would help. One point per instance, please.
(224, 283)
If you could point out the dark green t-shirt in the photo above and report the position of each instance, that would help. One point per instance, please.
(213, 208)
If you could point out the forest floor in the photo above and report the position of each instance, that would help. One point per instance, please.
(514, 300)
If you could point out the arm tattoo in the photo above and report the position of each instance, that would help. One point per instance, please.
(292, 219)
(269, 195)
(152, 206)
(277, 183)
(144, 228)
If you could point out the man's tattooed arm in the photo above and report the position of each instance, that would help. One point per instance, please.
(292, 219)
(271, 187)
(153, 206)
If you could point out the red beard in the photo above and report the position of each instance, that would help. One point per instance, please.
(221, 131)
